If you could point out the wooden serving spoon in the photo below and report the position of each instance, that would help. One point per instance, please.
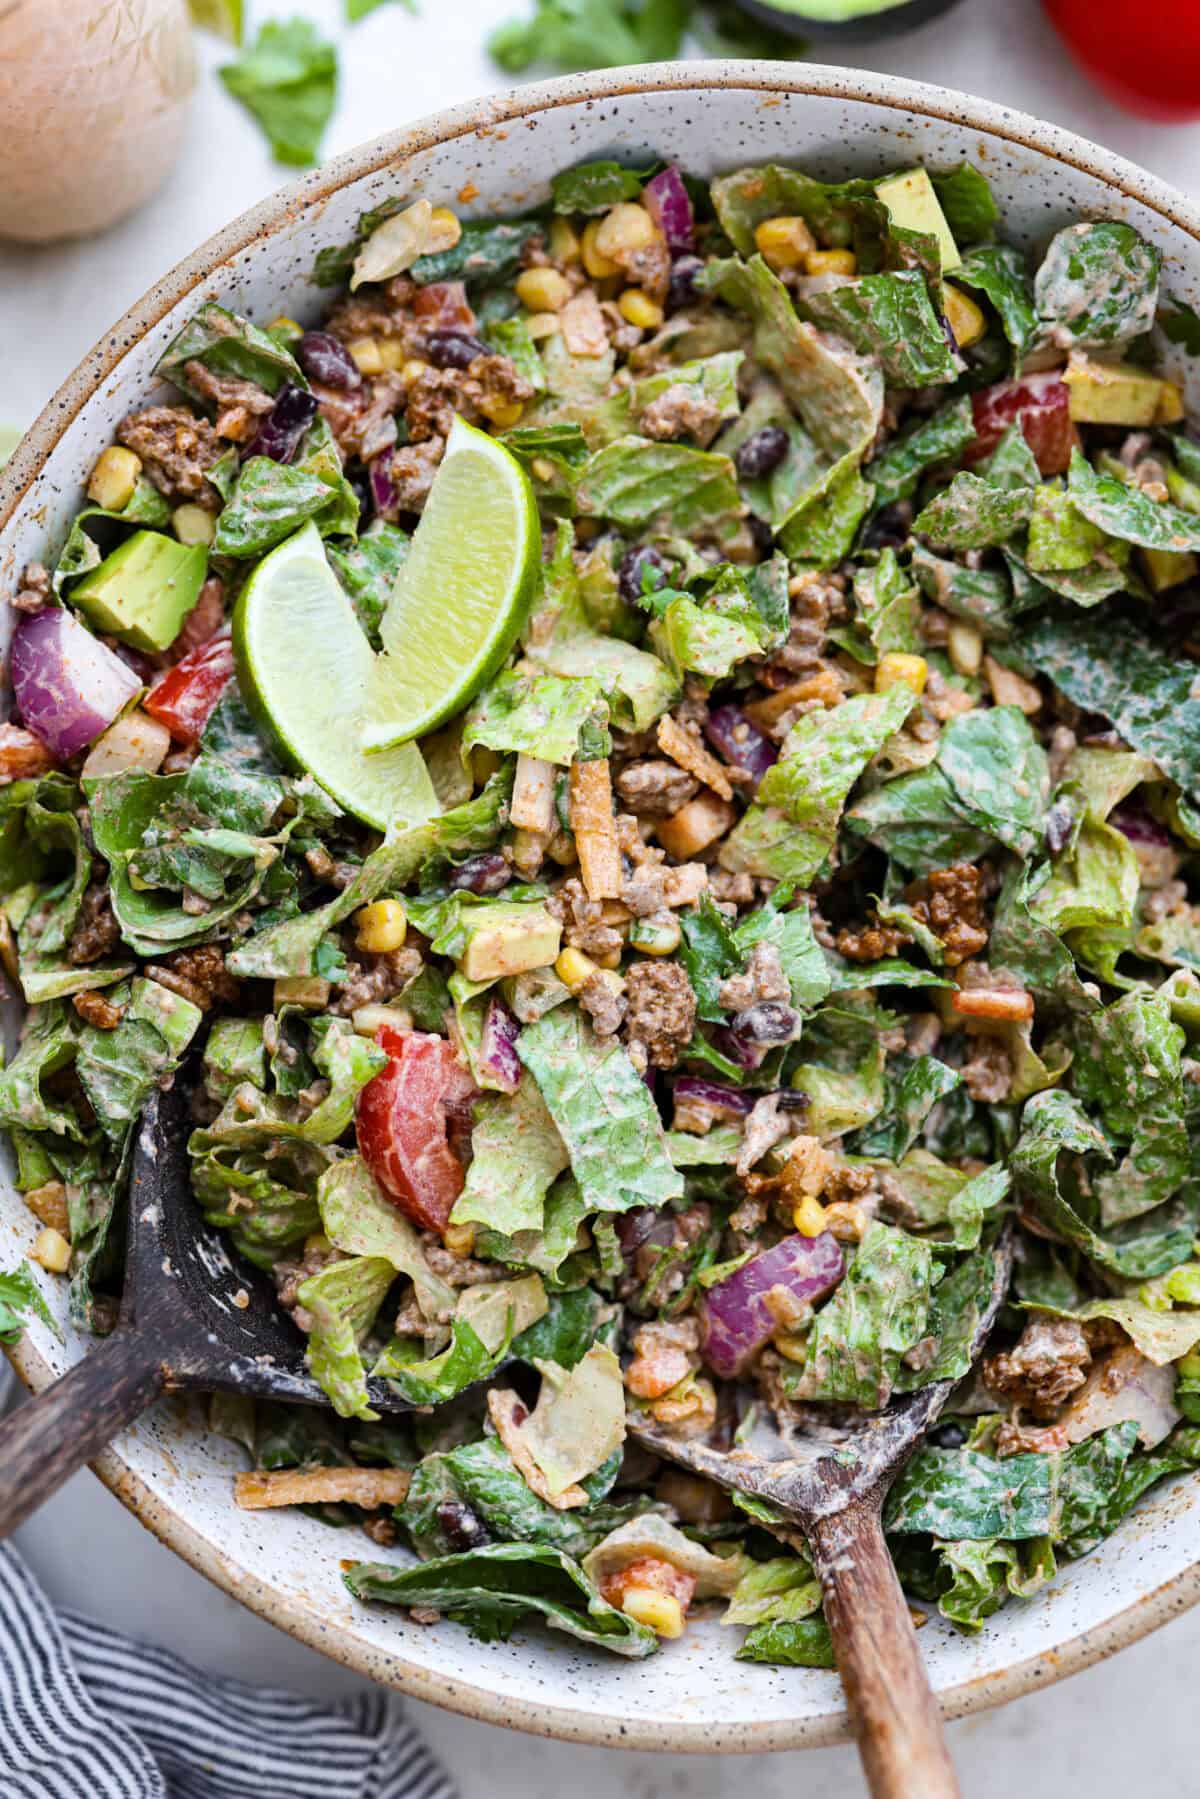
(192, 1319)
(831, 1481)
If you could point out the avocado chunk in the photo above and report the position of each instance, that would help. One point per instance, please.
(143, 592)
(1111, 393)
(914, 206)
(507, 939)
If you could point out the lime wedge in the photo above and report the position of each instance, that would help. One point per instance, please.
(307, 671)
(222, 16)
(462, 592)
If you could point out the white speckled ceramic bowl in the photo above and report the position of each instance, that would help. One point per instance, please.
(498, 155)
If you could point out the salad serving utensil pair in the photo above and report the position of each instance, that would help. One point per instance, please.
(193, 1320)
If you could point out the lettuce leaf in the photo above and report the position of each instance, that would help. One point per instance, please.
(603, 1111)
(358, 1220)
(998, 272)
(1097, 285)
(821, 532)
(1125, 512)
(972, 514)
(227, 344)
(791, 827)
(1127, 1069)
(880, 1310)
(636, 481)
(493, 1589)
(888, 316)
(942, 437)
(540, 715)
(342, 1299)
(517, 1154)
(21, 1299)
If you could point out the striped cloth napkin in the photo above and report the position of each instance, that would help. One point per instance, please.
(86, 1713)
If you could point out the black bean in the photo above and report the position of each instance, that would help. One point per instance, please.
(890, 526)
(761, 453)
(681, 289)
(280, 432)
(635, 564)
(948, 1436)
(768, 1022)
(453, 349)
(324, 359)
(462, 1528)
(485, 873)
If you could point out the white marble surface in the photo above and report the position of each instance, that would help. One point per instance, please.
(1124, 1727)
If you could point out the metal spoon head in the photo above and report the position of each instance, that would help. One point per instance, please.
(821, 1459)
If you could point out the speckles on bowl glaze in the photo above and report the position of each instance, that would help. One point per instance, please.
(171, 1473)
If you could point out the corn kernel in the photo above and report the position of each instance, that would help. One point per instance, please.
(655, 936)
(1183, 1284)
(367, 359)
(543, 468)
(367, 1019)
(542, 290)
(542, 324)
(52, 1251)
(784, 242)
(808, 1216)
(391, 353)
(307, 990)
(573, 968)
(897, 669)
(193, 524)
(596, 265)
(1169, 410)
(792, 1346)
(448, 226)
(831, 262)
(504, 414)
(380, 927)
(459, 1239)
(284, 323)
(564, 241)
(662, 1612)
(413, 369)
(966, 320)
(624, 228)
(964, 644)
(639, 309)
(114, 478)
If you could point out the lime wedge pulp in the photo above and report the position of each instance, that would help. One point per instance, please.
(224, 17)
(462, 592)
(307, 670)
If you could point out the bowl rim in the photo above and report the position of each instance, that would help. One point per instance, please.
(562, 1722)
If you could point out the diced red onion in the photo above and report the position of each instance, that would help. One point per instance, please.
(738, 1315)
(739, 1049)
(1139, 827)
(667, 201)
(740, 741)
(67, 684)
(498, 1057)
(383, 491)
(700, 1103)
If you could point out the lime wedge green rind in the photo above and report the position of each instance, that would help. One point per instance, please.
(307, 670)
(462, 593)
(224, 17)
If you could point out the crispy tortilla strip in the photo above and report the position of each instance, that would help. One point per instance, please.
(368, 1487)
(591, 811)
(686, 750)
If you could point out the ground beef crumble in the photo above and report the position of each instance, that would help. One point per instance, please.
(177, 450)
(661, 1010)
(1044, 1367)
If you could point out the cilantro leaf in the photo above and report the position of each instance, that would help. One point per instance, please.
(288, 80)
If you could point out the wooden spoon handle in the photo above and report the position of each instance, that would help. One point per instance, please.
(892, 1708)
(48, 1439)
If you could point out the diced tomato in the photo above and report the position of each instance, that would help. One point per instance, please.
(1042, 404)
(401, 1124)
(1146, 57)
(185, 696)
(443, 306)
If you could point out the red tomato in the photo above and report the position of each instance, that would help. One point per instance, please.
(1042, 404)
(185, 696)
(443, 306)
(401, 1124)
(1146, 57)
